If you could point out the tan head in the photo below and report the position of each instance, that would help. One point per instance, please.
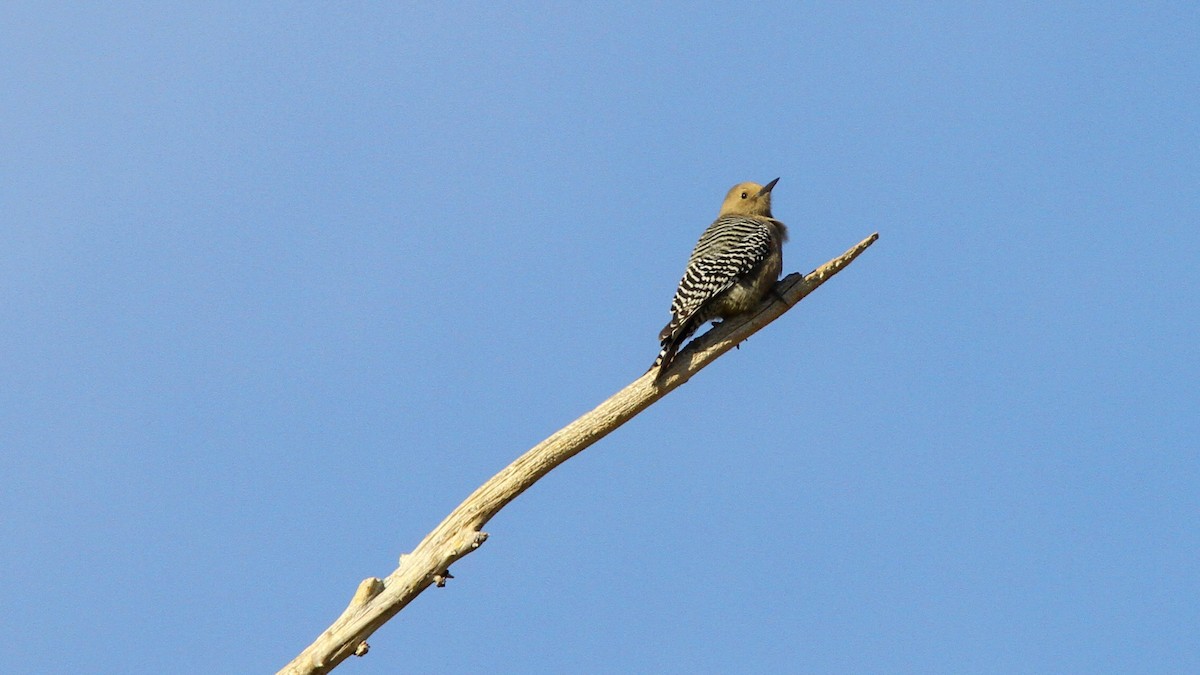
(749, 199)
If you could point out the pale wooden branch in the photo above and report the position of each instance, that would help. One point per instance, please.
(377, 600)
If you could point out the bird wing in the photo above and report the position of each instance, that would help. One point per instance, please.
(727, 252)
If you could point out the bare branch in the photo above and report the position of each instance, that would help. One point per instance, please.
(377, 600)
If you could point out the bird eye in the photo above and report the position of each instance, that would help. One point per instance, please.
(745, 194)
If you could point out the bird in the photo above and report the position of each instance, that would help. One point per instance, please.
(734, 265)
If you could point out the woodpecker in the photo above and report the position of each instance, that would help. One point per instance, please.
(736, 262)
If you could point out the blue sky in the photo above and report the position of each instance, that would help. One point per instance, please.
(282, 284)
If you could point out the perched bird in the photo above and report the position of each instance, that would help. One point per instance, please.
(736, 262)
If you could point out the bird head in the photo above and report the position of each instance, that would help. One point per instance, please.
(749, 199)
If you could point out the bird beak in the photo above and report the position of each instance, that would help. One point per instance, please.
(767, 188)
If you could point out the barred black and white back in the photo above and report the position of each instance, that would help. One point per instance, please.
(734, 265)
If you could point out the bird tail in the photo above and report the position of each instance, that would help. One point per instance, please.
(665, 357)
(672, 337)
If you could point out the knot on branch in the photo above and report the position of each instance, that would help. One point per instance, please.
(466, 542)
(367, 590)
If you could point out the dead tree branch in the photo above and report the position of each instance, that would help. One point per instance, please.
(377, 600)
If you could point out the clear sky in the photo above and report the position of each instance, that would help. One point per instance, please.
(283, 283)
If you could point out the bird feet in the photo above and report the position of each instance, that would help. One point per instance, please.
(779, 297)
